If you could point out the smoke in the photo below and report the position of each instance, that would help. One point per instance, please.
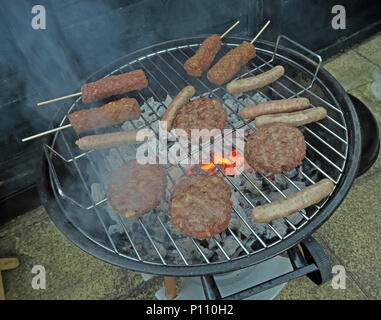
(48, 63)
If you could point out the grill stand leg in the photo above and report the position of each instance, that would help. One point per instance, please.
(307, 258)
(170, 287)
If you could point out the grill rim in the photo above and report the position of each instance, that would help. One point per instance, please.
(53, 206)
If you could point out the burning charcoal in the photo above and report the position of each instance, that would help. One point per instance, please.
(232, 105)
(161, 249)
(234, 223)
(249, 187)
(249, 242)
(167, 100)
(230, 245)
(217, 238)
(175, 257)
(224, 234)
(296, 218)
(208, 253)
(111, 213)
(248, 101)
(274, 196)
(280, 226)
(300, 184)
(189, 247)
(115, 228)
(234, 119)
(97, 192)
(280, 181)
(244, 230)
(258, 98)
(127, 126)
(292, 173)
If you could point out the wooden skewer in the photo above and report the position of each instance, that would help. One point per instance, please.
(170, 287)
(80, 93)
(230, 29)
(46, 132)
(60, 98)
(260, 31)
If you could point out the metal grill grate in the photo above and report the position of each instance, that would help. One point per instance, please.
(74, 173)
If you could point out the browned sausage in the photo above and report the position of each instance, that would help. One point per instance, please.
(259, 81)
(103, 88)
(298, 118)
(231, 62)
(177, 103)
(203, 57)
(302, 199)
(107, 140)
(114, 112)
(274, 106)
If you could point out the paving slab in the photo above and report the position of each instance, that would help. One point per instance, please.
(370, 49)
(350, 69)
(304, 289)
(353, 234)
(70, 272)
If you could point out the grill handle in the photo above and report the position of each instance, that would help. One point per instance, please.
(303, 48)
(210, 288)
(315, 264)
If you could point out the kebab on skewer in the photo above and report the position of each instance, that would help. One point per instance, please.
(112, 113)
(107, 87)
(230, 63)
(205, 54)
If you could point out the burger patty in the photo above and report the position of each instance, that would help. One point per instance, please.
(200, 206)
(201, 113)
(136, 189)
(275, 148)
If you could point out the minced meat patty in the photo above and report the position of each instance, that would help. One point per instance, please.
(275, 148)
(135, 189)
(200, 206)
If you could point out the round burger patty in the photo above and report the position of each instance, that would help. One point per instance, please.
(201, 113)
(275, 148)
(136, 189)
(200, 206)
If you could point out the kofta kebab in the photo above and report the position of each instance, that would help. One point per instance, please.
(265, 150)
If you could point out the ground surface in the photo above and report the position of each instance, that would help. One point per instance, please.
(351, 237)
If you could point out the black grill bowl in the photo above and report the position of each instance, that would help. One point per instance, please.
(56, 208)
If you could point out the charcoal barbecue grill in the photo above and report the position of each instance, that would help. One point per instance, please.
(333, 151)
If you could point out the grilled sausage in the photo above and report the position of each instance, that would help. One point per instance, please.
(107, 140)
(231, 62)
(259, 81)
(107, 87)
(177, 103)
(274, 106)
(203, 57)
(295, 119)
(114, 112)
(302, 199)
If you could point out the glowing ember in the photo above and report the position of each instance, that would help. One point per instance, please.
(232, 165)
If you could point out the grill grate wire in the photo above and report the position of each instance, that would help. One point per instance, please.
(333, 126)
